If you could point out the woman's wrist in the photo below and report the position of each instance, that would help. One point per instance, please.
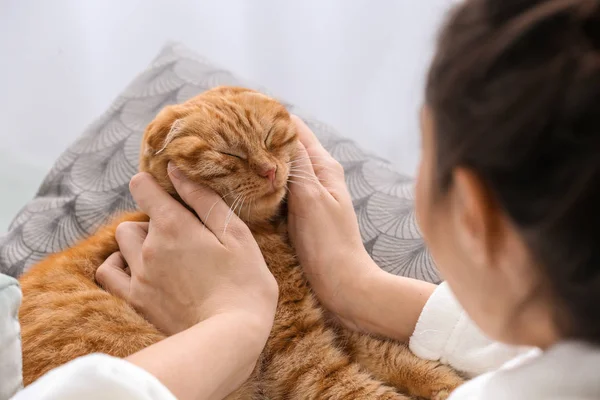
(257, 326)
(386, 304)
(365, 298)
(248, 330)
(224, 347)
(245, 335)
(355, 286)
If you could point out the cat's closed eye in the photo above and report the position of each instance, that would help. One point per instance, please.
(268, 137)
(241, 156)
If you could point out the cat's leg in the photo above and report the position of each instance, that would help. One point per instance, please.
(57, 328)
(394, 364)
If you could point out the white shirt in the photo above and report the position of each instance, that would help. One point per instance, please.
(569, 371)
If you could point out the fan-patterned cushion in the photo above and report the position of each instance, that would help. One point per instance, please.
(89, 182)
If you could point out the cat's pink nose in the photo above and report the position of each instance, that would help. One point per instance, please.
(269, 173)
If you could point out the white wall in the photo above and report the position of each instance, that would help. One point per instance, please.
(356, 64)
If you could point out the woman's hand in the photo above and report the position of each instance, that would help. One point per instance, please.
(323, 228)
(184, 271)
(208, 288)
(325, 233)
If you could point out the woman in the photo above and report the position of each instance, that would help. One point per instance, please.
(507, 198)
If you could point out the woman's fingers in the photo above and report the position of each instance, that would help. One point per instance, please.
(130, 237)
(302, 180)
(302, 161)
(216, 215)
(325, 167)
(308, 139)
(112, 277)
(166, 213)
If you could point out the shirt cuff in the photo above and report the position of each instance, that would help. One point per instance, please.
(96, 377)
(445, 333)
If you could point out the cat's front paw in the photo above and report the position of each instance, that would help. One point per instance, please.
(443, 391)
(441, 382)
(441, 395)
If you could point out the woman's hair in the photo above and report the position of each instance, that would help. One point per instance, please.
(514, 91)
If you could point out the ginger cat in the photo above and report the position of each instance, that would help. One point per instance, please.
(228, 139)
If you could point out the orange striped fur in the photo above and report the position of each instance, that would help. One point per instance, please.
(66, 315)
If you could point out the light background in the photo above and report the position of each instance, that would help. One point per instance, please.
(358, 65)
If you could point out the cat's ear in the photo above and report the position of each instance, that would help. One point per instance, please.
(165, 127)
(175, 131)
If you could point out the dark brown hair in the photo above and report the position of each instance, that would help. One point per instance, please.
(514, 90)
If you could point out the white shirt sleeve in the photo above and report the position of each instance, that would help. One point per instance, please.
(445, 333)
(96, 377)
(11, 374)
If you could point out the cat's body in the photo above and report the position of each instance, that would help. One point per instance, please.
(65, 314)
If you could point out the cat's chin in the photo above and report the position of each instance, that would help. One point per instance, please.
(263, 208)
(273, 199)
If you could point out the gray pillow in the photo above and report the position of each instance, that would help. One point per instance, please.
(89, 182)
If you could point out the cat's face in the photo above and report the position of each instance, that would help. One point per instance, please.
(236, 141)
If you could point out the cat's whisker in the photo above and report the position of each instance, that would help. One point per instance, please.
(317, 173)
(305, 180)
(307, 159)
(208, 213)
(240, 202)
(300, 166)
(306, 177)
(303, 173)
(223, 197)
(238, 210)
(249, 206)
(213, 206)
(299, 160)
(297, 183)
(227, 195)
(195, 191)
(319, 166)
(241, 207)
(230, 213)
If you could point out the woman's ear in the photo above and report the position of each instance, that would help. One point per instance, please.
(478, 220)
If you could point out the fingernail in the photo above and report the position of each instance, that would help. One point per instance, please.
(173, 171)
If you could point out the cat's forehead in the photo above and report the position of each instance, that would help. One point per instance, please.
(247, 116)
